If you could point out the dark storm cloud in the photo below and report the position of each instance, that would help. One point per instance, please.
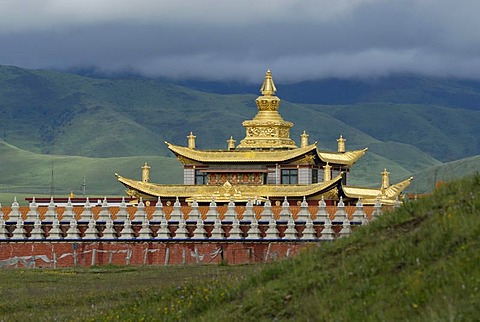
(212, 39)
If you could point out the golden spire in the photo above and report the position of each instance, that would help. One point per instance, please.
(327, 172)
(341, 144)
(385, 179)
(267, 130)
(304, 139)
(191, 141)
(231, 143)
(268, 86)
(145, 173)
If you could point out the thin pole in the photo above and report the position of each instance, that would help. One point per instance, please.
(52, 185)
(84, 186)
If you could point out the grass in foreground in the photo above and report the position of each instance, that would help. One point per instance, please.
(102, 293)
(419, 263)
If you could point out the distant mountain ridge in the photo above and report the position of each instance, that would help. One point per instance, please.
(398, 88)
(408, 123)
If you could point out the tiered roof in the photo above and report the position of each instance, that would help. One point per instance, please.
(264, 156)
(267, 140)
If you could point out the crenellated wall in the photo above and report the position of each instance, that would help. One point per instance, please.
(138, 235)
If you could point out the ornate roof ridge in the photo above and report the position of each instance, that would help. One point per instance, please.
(262, 190)
(365, 192)
(395, 189)
(240, 155)
(265, 155)
(347, 157)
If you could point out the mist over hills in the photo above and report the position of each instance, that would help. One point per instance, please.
(400, 89)
(408, 123)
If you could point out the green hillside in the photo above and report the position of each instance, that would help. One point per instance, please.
(394, 88)
(53, 114)
(25, 173)
(413, 264)
(418, 263)
(444, 133)
(425, 180)
(59, 113)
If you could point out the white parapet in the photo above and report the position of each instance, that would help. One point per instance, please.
(359, 214)
(51, 213)
(192, 228)
(340, 214)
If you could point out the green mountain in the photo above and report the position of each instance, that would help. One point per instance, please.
(397, 88)
(445, 133)
(59, 113)
(52, 115)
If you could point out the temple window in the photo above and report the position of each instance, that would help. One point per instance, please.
(314, 175)
(289, 176)
(200, 177)
(271, 178)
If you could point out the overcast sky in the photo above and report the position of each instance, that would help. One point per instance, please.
(223, 39)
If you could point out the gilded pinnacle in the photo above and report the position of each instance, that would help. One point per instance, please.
(267, 130)
(385, 179)
(191, 141)
(341, 144)
(231, 143)
(304, 139)
(268, 86)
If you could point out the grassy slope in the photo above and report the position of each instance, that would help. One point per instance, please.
(426, 180)
(419, 263)
(27, 172)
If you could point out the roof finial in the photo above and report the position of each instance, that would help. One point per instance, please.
(341, 144)
(268, 86)
(385, 179)
(145, 173)
(304, 139)
(231, 143)
(327, 172)
(191, 141)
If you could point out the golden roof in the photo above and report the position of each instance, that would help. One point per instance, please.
(239, 155)
(395, 189)
(369, 195)
(242, 193)
(227, 191)
(267, 130)
(245, 156)
(346, 158)
(267, 139)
